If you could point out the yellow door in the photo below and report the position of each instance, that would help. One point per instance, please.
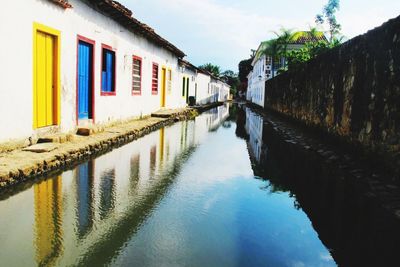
(163, 85)
(45, 113)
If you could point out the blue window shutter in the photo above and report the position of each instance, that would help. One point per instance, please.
(103, 81)
(109, 70)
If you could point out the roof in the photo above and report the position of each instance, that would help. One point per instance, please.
(187, 64)
(123, 16)
(62, 3)
(303, 37)
(300, 37)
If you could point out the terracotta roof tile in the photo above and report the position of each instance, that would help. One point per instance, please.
(123, 15)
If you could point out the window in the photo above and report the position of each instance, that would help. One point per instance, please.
(108, 71)
(154, 79)
(136, 75)
(169, 81)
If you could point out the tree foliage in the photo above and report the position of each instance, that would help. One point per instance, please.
(213, 69)
(245, 68)
(328, 15)
(309, 51)
(231, 78)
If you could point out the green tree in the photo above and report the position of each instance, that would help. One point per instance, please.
(245, 68)
(231, 78)
(328, 15)
(284, 38)
(213, 69)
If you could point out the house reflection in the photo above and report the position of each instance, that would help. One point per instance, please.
(255, 128)
(97, 206)
(134, 173)
(84, 179)
(48, 221)
(107, 192)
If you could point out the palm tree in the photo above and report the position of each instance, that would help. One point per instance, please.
(284, 38)
(214, 69)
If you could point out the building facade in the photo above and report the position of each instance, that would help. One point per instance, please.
(266, 66)
(82, 62)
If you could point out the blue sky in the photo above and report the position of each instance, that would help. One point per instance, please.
(223, 31)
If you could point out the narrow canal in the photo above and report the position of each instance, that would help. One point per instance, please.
(185, 195)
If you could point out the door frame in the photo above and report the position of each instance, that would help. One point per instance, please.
(93, 63)
(56, 34)
(163, 86)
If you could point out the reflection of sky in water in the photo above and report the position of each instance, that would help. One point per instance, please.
(216, 214)
(185, 195)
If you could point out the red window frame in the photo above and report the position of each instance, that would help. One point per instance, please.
(93, 43)
(134, 92)
(104, 93)
(154, 79)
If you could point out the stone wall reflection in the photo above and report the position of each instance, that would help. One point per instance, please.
(349, 221)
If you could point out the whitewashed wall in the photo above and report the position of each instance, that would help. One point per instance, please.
(16, 92)
(203, 92)
(256, 91)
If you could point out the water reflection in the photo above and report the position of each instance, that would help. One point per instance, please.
(348, 219)
(48, 221)
(86, 215)
(84, 177)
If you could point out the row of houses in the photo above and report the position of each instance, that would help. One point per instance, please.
(82, 62)
(266, 66)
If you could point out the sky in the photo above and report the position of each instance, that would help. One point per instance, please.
(223, 32)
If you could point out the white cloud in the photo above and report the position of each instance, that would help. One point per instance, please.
(223, 32)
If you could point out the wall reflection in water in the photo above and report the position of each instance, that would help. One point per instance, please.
(86, 215)
(357, 231)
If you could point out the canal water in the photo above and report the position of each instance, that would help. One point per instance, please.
(185, 195)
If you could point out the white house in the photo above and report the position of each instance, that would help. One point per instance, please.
(188, 80)
(266, 67)
(81, 62)
(201, 84)
(224, 90)
(249, 86)
(203, 91)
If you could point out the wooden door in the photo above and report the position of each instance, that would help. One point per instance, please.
(85, 55)
(45, 94)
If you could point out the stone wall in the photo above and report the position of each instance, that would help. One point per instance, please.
(352, 91)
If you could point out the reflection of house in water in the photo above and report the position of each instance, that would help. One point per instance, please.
(254, 128)
(101, 203)
(217, 116)
(107, 192)
(48, 221)
(85, 200)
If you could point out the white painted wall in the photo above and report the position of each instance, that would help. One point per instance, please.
(224, 90)
(16, 92)
(203, 91)
(256, 91)
(191, 74)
